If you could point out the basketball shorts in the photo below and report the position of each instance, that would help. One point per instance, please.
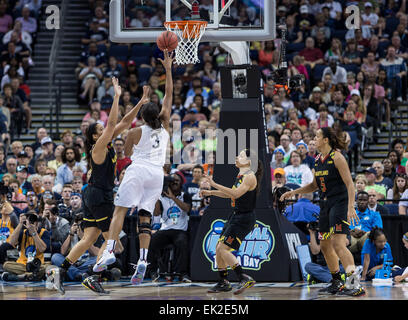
(98, 208)
(333, 217)
(141, 187)
(237, 228)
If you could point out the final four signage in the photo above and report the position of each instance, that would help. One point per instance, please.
(254, 250)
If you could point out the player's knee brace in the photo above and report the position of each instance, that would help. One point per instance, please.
(145, 227)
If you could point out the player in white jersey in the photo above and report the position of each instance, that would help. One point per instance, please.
(143, 181)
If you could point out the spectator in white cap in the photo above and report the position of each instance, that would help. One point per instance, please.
(47, 149)
(279, 155)
(369, 19)
(303, 149)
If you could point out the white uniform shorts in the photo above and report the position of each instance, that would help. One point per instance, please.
(141, 187)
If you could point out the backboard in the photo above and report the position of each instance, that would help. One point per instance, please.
(133, 21)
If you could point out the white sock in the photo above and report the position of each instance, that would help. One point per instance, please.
(143, 254)
(110, 246)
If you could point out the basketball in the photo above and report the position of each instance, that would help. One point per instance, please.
(167, 40)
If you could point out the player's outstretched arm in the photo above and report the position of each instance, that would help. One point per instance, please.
(126, 121)
(168, 96)
(99, 151)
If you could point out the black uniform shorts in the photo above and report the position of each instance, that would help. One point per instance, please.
(236, 229)
(333, 217)
(98, 208)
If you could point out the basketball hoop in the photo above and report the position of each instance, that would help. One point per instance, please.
(189, 33)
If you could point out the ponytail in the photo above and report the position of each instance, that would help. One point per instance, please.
(375, 233)
(150, 114)
(336, 138)
(89, 142)
(256, 167)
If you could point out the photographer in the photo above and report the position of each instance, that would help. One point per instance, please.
(302, 212)
(33, 242)
(58, 226)
(174, 205)
(8, 223)
(317, 269)
(76, 206)
(81, 266)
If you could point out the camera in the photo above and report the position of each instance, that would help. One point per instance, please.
(314, 225)
(31, 217)
(33, 265)
(240, 82)
(167, 181)
(296, 81)
(78, 219)
(5, 190)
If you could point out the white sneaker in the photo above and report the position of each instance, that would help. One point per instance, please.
(353, 282)
(54, 279)
(104, 261)
(138, 276)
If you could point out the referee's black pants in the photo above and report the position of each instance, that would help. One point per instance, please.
(160, 240)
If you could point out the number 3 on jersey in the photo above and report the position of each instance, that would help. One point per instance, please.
(155, 138)
(322, 184)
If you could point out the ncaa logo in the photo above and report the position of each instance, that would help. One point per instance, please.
(255, 249)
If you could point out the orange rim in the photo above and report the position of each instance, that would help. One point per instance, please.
(191, 28)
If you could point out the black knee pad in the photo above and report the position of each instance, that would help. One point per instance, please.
(145, 228)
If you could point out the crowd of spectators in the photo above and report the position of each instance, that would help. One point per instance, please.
(353, 78)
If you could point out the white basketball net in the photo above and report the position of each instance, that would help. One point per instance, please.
(189, 38)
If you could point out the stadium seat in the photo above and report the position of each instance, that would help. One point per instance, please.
(141, 50)
(291, 47)
(140, 60)
(382, 45)
(318, 72)
(144, 74)
(120, 52)
(340, 34)
(351, 67)
(102, 48)
(391, 24)
(392, 208)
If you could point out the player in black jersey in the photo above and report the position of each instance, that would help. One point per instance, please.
(333, 179)
(98, 196)
(241, 222)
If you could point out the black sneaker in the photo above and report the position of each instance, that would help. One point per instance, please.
(93, 284)
(185, 278)
(245, 283)
(352, 292)
(7, 276)
(221, 286)
(335, 286)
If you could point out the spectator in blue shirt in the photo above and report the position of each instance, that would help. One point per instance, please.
(303, 210)
(372, 255)
(368, 220)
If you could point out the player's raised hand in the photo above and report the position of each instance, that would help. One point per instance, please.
(116, 86)
(168, 59)
(146, 95)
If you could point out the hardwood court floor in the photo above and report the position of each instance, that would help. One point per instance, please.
(123, 290)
